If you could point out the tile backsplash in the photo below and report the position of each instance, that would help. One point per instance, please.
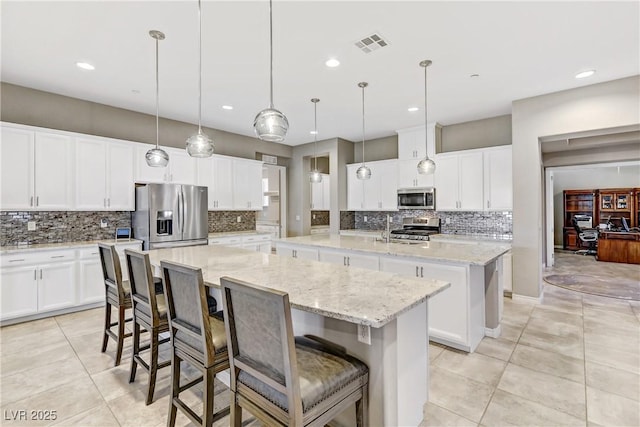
(319, 218)
(347, 220)
(59, 226)
(220, 221)
(475, 222)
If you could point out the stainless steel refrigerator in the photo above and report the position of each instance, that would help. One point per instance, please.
(170, 215)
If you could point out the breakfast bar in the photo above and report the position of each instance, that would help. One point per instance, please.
(381, 318)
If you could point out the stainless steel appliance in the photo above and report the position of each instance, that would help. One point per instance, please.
(416, 230)
(417, 198)
(170, 215)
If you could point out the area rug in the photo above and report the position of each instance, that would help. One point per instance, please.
(626, 289)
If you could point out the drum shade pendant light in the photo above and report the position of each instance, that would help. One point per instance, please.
(363, 171)
(157, 157)
(315, 176)
(270, 124)
(426, 166)
(199, 144)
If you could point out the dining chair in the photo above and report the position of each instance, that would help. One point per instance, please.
(196, 338)
(279, 378)
(150, 313)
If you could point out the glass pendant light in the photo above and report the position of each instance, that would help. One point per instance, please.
(270, 124)
(157, 157)
(199, 144)
(363, 171)
(315, 176)
(426, 166)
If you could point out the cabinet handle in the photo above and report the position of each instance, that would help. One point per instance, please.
(94, 253)
(40, 274)
(421, 271)
(57, 256)
(16, 260)
(34, 275)
(344, 261)
(417, 271)
(108, 202)
(37, 200)
(104, 202)
(31, 202)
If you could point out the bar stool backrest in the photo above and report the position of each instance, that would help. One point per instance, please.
(111, 272)
(143, 290)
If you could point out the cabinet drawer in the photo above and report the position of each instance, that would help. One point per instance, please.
(257, 238)
(15, 260)
(226, 241)
(88, 253)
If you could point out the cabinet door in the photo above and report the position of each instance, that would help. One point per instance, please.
(254, 184)
(407, 144)
(388, 185)
(16, 174)
(222, 193)
(406, 268)
(306, 253)
(471, 187)
(54, 171)
(56, 286)
(371, 191)
(205, 178)
(317, 195)
(370, 262)
(498, 181)
(182, 167)
(408, 173)
(120, 177)
(19, 292)
(91, 284)
(91, 173)
(247, 184)
(355, 189)
(326, 192)
(332, 257)
(446, 183)
(144, 172)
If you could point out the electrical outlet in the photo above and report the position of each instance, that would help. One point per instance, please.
(313, 216)
(365, 218)
(31, 226)
(103, 223)
(239, 219)
(448, 220)
(364, 334)
(297, 217)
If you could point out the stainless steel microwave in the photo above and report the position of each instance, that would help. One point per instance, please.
(417, 198)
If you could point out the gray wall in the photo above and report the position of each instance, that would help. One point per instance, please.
(376, 149)
(37, 108)
(476, 134)
(600, 106)
(584, 178)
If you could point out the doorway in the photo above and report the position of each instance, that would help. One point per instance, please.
(273, 216)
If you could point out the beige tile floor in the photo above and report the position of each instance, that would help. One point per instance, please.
(574, 359)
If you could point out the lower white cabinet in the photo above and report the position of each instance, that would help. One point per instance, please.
(255, 242)
(90, 283)
(19, 294)
(56, 286)
(507, 272)
(349, 259)
(295, 251)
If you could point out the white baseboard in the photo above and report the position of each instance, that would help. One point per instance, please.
(526, 298)
(493, 333)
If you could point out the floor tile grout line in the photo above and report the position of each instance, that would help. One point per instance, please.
(584, 352)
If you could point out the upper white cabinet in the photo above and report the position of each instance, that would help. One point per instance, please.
(104, 174)
(320, 194)
(182, 169)
(498, 179)
(37, 170)
(411, 143)
(408, 176)
(247, 184)
(380, 192)
(221, 191)
(459, 181)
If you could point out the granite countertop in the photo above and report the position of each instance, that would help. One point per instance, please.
(473, 253)
(6, 250)
(236, 233)
(355, 295)
(504, 239)
(357, 232)
(316, 227)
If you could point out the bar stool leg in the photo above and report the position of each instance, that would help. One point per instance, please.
(175, 387)
(136, 350)
(107, 326)
(121, 310)
(207, 416)
(236, 412)
(153, 365)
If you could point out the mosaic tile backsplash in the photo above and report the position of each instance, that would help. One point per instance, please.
(347, 220)
(319, 218)
(221, 221)
(59, 226)
(460, 222)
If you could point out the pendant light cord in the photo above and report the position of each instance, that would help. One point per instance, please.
(426, 133)
(270, 54)
(199, 67)
(363, 124)
(315, 133)
(157, 98)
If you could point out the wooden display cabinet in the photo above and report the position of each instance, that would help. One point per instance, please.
(578, 202)
(617, 203)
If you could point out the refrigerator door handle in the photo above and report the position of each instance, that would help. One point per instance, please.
(182, 213)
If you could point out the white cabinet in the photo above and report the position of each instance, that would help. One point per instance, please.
(408, 176)
(349, 259)
(411, 143)
(507, 272)
(378, 193)
(19, 291)
(146, 173)
(104, 175)
(296, 251)
(320, 194)
(459, 181)
(498, 180)
(37, 170)
(255, 242)
(216, 173)
(90, 281)
(56, 286)
(182, 168)
(247, 184)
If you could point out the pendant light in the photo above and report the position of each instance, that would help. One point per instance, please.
(157, 157)
(199, 144)
(315, 176)
(270, 124)
(426, 166)
(363, 171)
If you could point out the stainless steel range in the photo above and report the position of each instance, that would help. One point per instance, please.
(416, 230)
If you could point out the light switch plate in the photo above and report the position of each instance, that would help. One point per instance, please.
(365, 218)
(448, 220)
(239, 219)
(364, 334)
(31, 226)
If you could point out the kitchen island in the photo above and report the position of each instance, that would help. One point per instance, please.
(381, 318)
(459, 318)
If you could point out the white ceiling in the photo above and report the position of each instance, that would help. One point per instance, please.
(519, 49)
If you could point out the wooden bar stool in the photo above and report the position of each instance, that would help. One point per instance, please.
(306, 381)
(196, 338)
(117, 294)
(150, 313)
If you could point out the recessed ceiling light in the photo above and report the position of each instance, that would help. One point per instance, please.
(583, 74)
(412, 109)
(227, 107)
(85, 66)
(332, 63)
(313, 132)
(474, 75)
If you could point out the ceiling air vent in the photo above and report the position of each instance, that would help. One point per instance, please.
(370, 43)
